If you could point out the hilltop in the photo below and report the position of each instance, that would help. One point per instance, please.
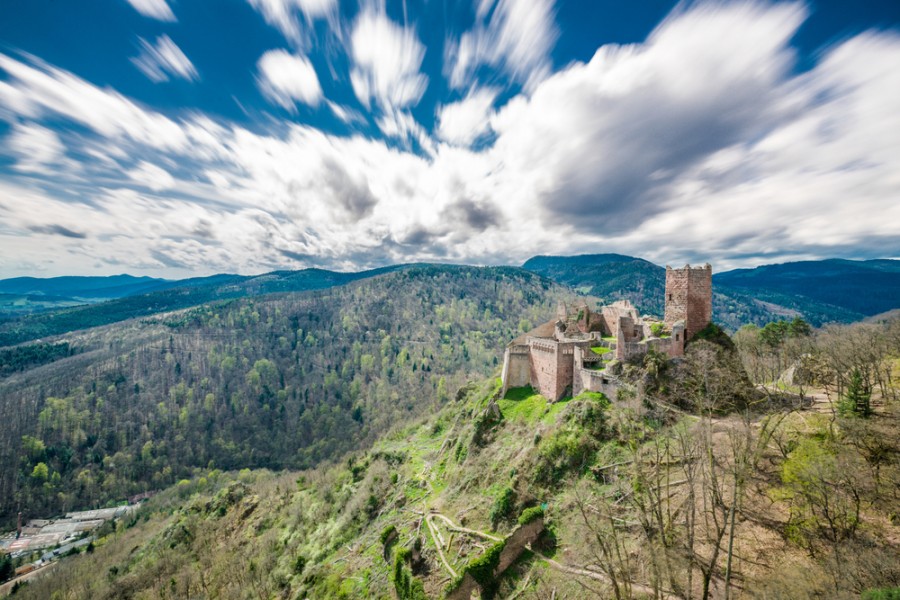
(528, 499)
(280, 381)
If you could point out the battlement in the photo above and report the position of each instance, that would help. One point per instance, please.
(555, 358)
(689, 297)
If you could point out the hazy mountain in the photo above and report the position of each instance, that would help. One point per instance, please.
(863, 288)
(820, 291)
(114, 286)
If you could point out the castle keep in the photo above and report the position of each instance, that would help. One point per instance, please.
(569, 354)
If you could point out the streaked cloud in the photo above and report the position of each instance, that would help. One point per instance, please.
(39, 90)
(283, 14)
(36, 148)
(704, 140)
(463, 121)
(155, 9)
(286, 78)
(386, 61)
(151, 176)
(516, 35)
(163, 59)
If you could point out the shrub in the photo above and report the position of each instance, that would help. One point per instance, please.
(503, 505)
(881, 594)
(482, 570)
(299, 564)
(387, 534)
(531, 514)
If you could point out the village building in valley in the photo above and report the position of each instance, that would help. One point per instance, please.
(570, 354)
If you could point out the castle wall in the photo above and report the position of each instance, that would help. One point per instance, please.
(516, 367)
(689, 297)
(587, 380)
(699, 309)
(544, 367)
(565, 369)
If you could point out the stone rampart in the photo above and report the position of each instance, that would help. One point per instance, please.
(516, 367)
(689, 297)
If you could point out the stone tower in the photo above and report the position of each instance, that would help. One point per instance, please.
(689, 297)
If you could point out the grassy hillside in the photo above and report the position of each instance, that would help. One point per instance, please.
(638, 498)
(282, 381)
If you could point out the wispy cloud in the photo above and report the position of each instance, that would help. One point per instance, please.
(283, 14)
(386, 61)
(163, 59)
(152, 176)
(37, 148)
(286, 78)
(516, 35)
(155, 9)
(37, 90)
(701, 140)
(463, 121)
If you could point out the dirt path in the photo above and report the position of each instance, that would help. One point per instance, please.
(439, 543)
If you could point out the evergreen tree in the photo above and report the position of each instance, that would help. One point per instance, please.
(857, 398)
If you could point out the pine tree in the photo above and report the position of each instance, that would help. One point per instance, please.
(858, 397)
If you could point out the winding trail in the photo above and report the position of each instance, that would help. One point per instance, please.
(595, 575)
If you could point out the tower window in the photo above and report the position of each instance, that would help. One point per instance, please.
(670, 297)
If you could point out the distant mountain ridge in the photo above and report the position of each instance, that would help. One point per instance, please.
(112, 286)
(865, 287)
(821, 291)
(833, 290)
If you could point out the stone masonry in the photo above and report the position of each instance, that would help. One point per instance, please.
(570, 354)
(689, 297)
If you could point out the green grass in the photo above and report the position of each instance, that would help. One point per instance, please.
(610, 338)
(554, 409)
(601, 350)
(523, 405)
(594, 396)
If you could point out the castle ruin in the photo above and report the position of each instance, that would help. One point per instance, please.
(570, 354)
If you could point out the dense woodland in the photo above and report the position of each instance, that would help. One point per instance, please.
(760, 466)
(284, 381)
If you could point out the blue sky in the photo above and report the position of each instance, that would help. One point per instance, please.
(184, 138)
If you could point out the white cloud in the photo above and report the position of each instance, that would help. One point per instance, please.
(387, 59)
(701, 143)
(285, 78)
(36, 147)
(160, 61)
(35, 91)
(152, 177)
(464, 121)
(155, 9)
(347, 115)
(282, 14)
(518, 37)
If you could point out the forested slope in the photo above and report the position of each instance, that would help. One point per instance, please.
(283, 381)
(694, 483)
(176, 295)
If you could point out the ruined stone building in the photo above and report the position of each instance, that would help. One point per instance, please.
(569, 354)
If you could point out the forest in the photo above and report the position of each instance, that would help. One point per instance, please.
(283, 381)
(763, 465)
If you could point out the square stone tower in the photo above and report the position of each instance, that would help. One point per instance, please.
(689, 298)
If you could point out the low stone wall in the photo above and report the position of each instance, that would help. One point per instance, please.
(523, 536)
(514, 545)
